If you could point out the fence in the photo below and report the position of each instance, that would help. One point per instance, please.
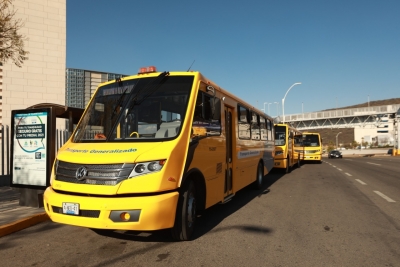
(62, 136)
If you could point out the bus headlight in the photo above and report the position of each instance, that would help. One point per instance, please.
(140, 168)
(154, 166)
(147, 167)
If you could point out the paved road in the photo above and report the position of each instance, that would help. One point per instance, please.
(316, 215)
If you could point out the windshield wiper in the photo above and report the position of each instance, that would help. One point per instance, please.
(155, 86)
(121, 98)
(155, 82)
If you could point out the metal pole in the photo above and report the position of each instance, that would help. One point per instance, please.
(337, 140)
(283, 101)
(264, 106)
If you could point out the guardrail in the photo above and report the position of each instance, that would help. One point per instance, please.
(343, 113)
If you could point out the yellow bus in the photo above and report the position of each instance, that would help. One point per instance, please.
(311, 146)
(153, 149)
(285, 155)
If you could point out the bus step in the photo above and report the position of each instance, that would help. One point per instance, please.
(228, 198)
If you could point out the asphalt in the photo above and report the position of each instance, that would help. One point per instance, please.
(13, 216)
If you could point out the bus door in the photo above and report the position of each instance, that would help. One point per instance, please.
(229, 151)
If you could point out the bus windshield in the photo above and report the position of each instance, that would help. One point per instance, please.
(137, 109)
(311, 140)
(280, 135)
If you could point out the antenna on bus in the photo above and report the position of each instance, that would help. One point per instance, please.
(191, 65)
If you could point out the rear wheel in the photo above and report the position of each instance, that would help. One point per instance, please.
(185, 217)
(287, 170)
(260, 175)
(298, 163)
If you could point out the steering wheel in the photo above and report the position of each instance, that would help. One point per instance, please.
(132, 133)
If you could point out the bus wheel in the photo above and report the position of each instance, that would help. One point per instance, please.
(287, 170)
(260, 176)
(298, 163)
(185, 213)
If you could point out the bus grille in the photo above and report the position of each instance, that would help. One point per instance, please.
(95, 174)
(82, 213)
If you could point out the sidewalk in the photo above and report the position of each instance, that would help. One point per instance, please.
(14, 217)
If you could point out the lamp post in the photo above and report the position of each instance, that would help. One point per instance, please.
(264, 106)
(268, 107)
(277, 108)
(283, 101)
(337, 139)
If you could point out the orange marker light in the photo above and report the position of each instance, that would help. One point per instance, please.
(125, 216)
(171, 179)
(147, 69)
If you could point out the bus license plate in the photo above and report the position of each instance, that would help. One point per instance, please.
(70, 208)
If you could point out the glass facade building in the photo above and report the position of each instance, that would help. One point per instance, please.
(80, 85)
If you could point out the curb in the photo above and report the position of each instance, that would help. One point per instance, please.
(23, 223)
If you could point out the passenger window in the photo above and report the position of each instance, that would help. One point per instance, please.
(243, 123)
(263, 129)
(207, 115)
(255, 127)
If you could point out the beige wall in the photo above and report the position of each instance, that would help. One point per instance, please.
(41, 79)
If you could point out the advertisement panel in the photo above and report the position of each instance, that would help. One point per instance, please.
(30, 146)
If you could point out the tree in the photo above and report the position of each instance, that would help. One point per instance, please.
(11, 42)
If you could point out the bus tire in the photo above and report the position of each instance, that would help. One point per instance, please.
(185, 217)
(260, 177)
(287, 170)
(298, 163)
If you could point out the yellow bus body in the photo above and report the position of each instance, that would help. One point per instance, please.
(286, 157)
(196, 156)
(312, 151)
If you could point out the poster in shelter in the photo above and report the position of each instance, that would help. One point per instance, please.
(29, 148)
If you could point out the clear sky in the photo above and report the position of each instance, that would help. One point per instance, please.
(344, 52)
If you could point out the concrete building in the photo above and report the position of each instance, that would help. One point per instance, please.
(42, 77)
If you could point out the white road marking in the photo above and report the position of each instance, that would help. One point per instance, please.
(361, 182)
(339, 169)
(374, 163)
(388, 199)
(348, 174)
(334, 166)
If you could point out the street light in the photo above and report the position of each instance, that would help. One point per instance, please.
(277, 108)
(283, 101)
(264, 106)
(336, 139)
(268, 108)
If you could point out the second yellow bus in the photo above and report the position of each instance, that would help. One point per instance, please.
(286, 157)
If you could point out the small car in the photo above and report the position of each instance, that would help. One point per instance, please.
(335, 154)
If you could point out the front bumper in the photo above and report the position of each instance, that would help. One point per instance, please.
(148, 212)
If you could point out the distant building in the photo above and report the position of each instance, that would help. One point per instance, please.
(80, 85)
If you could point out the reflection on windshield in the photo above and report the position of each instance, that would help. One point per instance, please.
(311, 140)
(145, 108)
(280, 135)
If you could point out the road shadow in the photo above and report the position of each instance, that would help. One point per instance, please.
(208, 219)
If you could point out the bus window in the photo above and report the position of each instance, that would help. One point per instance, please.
(207, 115)
(263, 129)
(270, 129)
(255, 127)
(243, 123)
